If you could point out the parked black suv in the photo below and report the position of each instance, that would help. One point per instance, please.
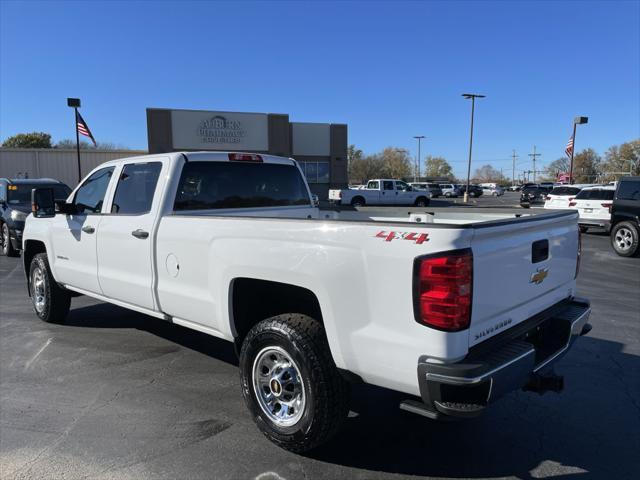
(474, 190)
(15, 205)
(625, 217)
(533, 195)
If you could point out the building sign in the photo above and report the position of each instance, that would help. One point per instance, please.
(195, 130)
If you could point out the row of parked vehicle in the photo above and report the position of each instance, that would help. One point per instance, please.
(614, 207)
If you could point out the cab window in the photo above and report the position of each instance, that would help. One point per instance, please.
(387, 185)
(90, 196)
(136, 186)
(401, 186)
(373, 185)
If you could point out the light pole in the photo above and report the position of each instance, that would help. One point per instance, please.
(576, 121)
(75, 103)
(417, 169)
(473, 97)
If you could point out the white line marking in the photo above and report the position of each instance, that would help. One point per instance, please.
(33, 359)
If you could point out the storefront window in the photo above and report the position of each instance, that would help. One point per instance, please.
(316, 172)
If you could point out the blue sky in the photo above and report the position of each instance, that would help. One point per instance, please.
(390, 70)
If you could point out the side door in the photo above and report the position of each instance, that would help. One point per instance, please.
(388, 192)
(125, 240)
(372, 193)
(404, 196)
(74, 236)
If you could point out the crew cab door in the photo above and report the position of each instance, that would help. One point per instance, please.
(404, 196)
(372, 194)
(125, 238)
(74, 236)
(388, 192)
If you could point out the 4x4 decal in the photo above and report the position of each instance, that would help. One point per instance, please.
(413, 236)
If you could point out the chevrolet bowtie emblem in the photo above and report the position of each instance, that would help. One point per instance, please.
(539, 276)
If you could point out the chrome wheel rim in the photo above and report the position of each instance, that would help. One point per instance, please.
(624, 238)
(38, 284)
(4, 238)
(278, 386)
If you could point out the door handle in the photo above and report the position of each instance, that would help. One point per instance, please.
(88, 229)
(139, 233)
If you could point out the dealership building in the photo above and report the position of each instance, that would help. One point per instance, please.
(320, 148)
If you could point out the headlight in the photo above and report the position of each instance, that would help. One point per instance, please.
(18, 216)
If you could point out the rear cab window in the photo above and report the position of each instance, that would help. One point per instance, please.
(565, 191)
(629, 190)
(206, 185)
(135, 189)
(595, 194)
(373, 185)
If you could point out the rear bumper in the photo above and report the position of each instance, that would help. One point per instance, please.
(594, 222)
(515, 359)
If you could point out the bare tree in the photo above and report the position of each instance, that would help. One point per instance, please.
(437, 167)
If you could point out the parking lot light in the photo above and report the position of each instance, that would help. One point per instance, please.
(473, 97)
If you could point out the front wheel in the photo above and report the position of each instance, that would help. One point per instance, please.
(50, 302)
(5, 242)
(422, 202)
(290, 383)
(624, 239)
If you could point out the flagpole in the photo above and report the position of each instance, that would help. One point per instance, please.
(573, 149)
(78, 145)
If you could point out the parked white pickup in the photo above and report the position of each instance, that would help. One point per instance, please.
(381, 191)
(452, 308)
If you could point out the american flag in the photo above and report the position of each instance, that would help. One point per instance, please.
(569, 149)
(83, 128)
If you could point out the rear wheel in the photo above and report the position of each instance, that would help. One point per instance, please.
(50, 302)
(5, 242)
(290, 383)
(357, 202)
(625, 239)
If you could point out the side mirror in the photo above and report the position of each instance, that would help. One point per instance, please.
(43, 204)
(315, 200)
(66, 208)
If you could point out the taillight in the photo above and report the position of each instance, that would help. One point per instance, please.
(443, 287)
(607, 205)
(547, 197)
(340, 194)
(579, 252)
(572, 204)
(245, 157)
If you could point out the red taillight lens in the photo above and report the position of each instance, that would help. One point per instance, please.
(572, 204)
(244, 157)
(607, 205)
(547, 197)
(443, 290)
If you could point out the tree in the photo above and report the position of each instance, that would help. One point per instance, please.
(28, 140)
(354, 153)
(560, 165)
(586, 166)
(437, 167)
(68, 143)
(488, 174)
(396, 162)
(624, 158)
(363, 168)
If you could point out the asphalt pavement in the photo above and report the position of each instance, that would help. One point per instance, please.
(113, 394)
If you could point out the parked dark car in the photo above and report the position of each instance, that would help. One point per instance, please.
(435, 190)
(474, 190)
(625, 217)
(15, 205)
(533, 196)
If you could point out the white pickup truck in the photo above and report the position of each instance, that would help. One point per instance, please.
(381, 191)
(453, 309)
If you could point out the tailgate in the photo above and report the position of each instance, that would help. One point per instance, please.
(334, 194)
(520, 269)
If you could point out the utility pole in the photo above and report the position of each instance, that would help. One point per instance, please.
(417, 169)
(473, 97)
(513, 168)
(534, 155)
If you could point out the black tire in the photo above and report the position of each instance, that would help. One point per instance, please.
(625, 239)
(326, 393)
(422, 202)
(358, 202)
(50, 302)
(5, 242)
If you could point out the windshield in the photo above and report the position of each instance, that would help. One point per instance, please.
(22, 193)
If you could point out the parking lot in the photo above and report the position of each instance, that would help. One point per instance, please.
(113, 394)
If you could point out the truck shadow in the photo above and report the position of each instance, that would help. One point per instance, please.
(589, 431)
